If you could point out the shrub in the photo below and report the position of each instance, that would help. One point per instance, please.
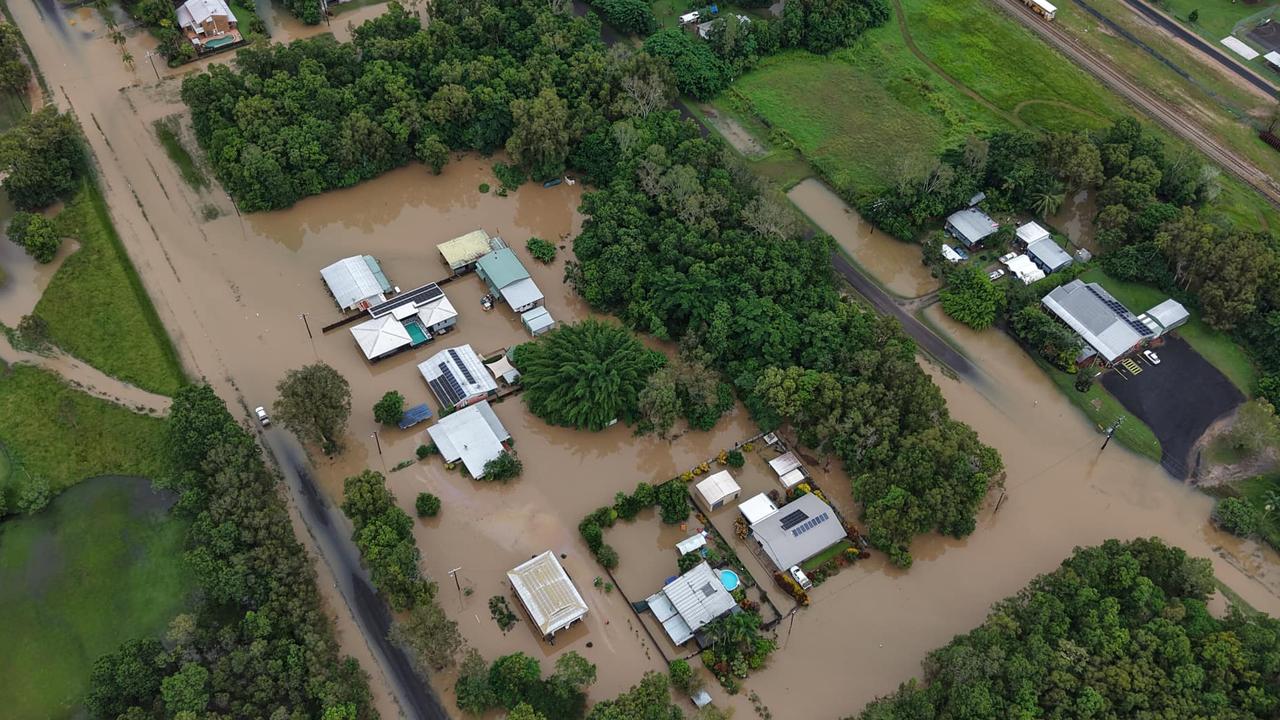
(484, 187)
(1236, 516)
(428, 505)
(673, 502)
(425, 451)
(736, 460)
(511, 176)
(389, 409)
(688, 561)
(501, 613)
(607, 556)
(541, 250)
(592, 534)
(36, 234)
(645, 494)
(502, 468)
(682, 677)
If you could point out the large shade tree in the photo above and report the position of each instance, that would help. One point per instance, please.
(585, 375)
(315, 402)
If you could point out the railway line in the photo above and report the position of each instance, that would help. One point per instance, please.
(1164, 112)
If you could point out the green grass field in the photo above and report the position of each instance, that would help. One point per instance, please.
(1260, 491)
(102, 564)
(53, 431)
(97, 308)
(167, 133)
(1214, 346)
(1217, 18)
(1102, 409)
(11, 110)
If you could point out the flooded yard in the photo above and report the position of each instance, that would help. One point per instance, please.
(895, 264)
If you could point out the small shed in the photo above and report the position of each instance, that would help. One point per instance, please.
(414, 415)
(547, 594)
(757, 508)
(1273, 59)
(1166, 317)
(537, 321)
(461, 253)
(716, 489)
(692, 543)
(789, 469)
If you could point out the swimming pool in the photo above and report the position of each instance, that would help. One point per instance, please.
(219, 42)
(729, 579)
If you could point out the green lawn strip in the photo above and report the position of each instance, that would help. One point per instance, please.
(1234, 598)
(89, 572)
(1102, 408)
(1216, 347)
(97, 308)
(1216, 19)
(830, 553)
(167, 132)
(55, 432)
(248, 23)
(1259, 490)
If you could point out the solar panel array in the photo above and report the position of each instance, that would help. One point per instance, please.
(446, 386)
(794, 518)
(417, 296)
(808, 525)
(466, 373)
(1121, 312)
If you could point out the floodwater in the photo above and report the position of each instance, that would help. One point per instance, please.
(895, 264)
(232, 292)
(1075, 219)
(22, 279)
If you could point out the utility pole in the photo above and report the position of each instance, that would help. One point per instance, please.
(378, 441)
(1111, 430)
(310, 337)
(454, 572)
(151, 58)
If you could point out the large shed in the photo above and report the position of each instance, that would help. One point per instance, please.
(970, 226)
(462, 252)
(547, 594)
(356, 282)
(717, 489)
(1101, 320)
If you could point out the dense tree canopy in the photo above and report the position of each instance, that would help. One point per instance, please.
(633, 17)
(971, 297)
(259, 643)
(15, 75)
(44, 157)
(1119, 631)
(314, 402)
(36, 234)
(586, 375)
(670, 247)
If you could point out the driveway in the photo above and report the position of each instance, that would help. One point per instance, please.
(1178, 399)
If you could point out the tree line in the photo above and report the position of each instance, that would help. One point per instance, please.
(1118, 631)
(682, 241)
(258, 642)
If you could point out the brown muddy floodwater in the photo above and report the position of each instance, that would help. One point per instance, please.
(895, 264)
(231, 292)
(1075, 219)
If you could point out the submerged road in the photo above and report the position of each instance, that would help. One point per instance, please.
(332, 534)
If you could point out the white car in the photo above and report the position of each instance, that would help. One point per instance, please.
(801, 579)
(1004, 259)
(1154, 358)
(995, 274)
(263, 419)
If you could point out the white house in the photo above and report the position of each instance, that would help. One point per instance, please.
(457, 377)
(547, 594)
(799, 530)
(356, 282)
(689, 602)
(473, 435)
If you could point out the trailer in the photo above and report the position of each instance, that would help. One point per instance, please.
(1043, 8)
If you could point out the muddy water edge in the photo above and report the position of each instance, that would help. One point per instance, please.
(232, 290)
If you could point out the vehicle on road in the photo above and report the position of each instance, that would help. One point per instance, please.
(801, 579)
(1154, 358)
(995, 274)
(263, 419)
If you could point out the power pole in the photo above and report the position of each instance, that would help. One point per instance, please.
(1111, 430)
(454, 572)
(378, 441)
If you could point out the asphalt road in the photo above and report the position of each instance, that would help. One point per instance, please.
(924, 337)
(1197, 42)
(332, 534)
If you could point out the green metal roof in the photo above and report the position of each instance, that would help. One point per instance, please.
(501, 268)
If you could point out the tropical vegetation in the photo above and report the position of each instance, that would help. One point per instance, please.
(42, 159)
(515, 680)
(36, 234)
(971, 298)
(314, 403)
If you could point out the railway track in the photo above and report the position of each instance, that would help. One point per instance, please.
(1164, 112)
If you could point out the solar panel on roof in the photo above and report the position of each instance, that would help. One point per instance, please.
(453, 353)
(809, 524)
(794, 518)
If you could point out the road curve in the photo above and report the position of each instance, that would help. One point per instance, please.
(332, 534)
(1171, 116)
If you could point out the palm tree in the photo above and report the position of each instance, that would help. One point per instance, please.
(1049, 201)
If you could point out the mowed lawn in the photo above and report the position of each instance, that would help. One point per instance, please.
(1214, 346)
(102, 564)
(52, 431)
(97, 309)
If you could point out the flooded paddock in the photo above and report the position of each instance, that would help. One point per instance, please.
(894, 264)
(1075, 219)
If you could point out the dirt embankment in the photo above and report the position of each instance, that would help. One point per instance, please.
(1211, 474)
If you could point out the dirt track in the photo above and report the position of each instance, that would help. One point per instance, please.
(1168, 115)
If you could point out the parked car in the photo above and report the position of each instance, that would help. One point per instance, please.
(995, 274)
(1154, 358)
(801, 579)
(486, 302)
(1004, 259)
(263, 419)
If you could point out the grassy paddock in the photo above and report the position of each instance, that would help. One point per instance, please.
(167, 132)
(1102, 409)
(63, 435)
(97, 308)
(1216, 347)
(101, 565)
(1258, 491)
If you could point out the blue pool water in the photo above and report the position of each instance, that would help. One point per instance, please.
(729, 579)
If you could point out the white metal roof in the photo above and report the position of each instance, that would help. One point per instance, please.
(1167, 316)
(456, 374)
(799, 530)
(521, 293)
(436, 311)
(473, 435)
(757, 508)
(465, 249)
(1031, 232)
(971, 225)
(785, 463)
(950, 255)
(1025, 269)
(793, 478)
(1272, 57)
(547, 593)
(1238, 47)
(718, 486)
(1100, 319)
(537, 320)
(693, 542)
(698, 597)
(352, 282)
(380, 336)
(1049, 253)
(195, 12)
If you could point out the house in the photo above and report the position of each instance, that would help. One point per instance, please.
(208, 24)
(704, 29)
(507, 278)
(798, 530)
(689, 602)
(1165, 317)
(717, 489)
(789, 469)
(1103, 322)
(473, 435)
(1041, 248)
(756, 508)
(357, 282)
(405, 321)
(537, 321)
(457, 377)
(1024, 268)
(462, 252)
(547, 594)
(970, 226)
